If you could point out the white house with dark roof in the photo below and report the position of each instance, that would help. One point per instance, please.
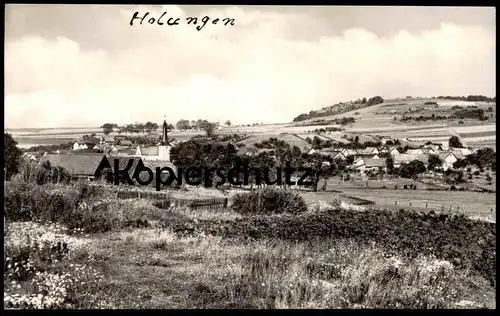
(448, 159)
(349, 152)
(371, 150)
(81, 145)
(394, 151)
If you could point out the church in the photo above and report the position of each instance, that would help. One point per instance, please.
(160, 152)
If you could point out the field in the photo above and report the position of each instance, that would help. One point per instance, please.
(475, 203)
(379, 120)
(289, 138)
(130, 254)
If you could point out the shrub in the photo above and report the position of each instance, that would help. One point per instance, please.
(269, 200)
(75, 208)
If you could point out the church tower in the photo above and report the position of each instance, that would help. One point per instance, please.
(164, 136)
(164, 146)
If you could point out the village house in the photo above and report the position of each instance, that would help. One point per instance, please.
(415, 152)
(424, 158)
(312, 151)
(107, 140)
(29, 156)
(348, 152)
(384, 149)
(358, 162)
(104, 148)
(369, 150)
(394, 151)
(328, 151)
(434, 147)
(160, 152)
(429, 151)
(130, 152)
(125, 143)
(370, 164)
(368, 155)
(78, 166)
(400, 159)
(460, 152)
(448, 159)
(80, 145)
(153, 137)
(339, 155)
(117, 149)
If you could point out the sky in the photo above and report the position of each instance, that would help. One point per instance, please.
(85, 65)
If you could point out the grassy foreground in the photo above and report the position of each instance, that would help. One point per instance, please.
(138, 264)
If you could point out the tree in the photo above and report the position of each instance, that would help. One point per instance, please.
(434, 161)
(320, 169)
(149, 126)
(454, 142)
(349, 160)
(228, 123)
(183, 125)
(208, 128)
(389, 164)
(316, 142)
(363, 101)
(11, 155)
(412, 169)
(43, 173)
(107, 128)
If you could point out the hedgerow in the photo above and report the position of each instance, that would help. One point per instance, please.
(462, 241)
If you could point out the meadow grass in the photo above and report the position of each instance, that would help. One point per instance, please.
(51, 266)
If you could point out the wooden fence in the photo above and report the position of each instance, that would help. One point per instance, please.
(208, 203)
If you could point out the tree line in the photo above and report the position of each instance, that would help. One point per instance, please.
(339, 108)
(471, 98)
(195, 153)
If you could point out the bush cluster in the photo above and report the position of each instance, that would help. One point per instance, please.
(269, 201)
(75, 208)
(456, 238)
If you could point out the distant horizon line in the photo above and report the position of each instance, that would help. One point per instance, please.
(86, 127)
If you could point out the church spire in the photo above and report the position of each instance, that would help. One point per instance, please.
(164, 139)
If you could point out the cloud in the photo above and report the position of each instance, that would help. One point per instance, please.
(258, 70)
